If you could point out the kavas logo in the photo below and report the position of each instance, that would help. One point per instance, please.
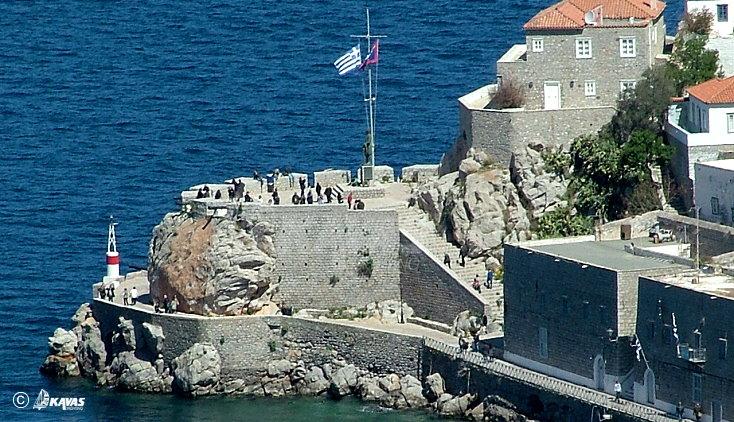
(44, 400)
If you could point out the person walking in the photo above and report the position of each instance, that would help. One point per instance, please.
(302, 184)
(698, 411)
(462, 256)
(134, 295)
(490, 279)
(477, 284)
(617, 391)
(125, 297)
(328, 192)
(447, 260)
(166, 304)
(318, 189)
(102, 291)
(350, 198)
(679, 409)
(111, 292)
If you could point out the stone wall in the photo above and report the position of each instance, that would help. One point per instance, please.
(502, 132)
(247, 343)
(419, 173)
(320, 249)
(694, 311)
(431, 290)
(714, 239)
(331, 177)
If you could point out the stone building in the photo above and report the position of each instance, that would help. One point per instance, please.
(715, 191)
(683, 324)
(578, 57)
(571, 306)
(701, 128)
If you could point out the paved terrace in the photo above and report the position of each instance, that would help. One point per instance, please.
(719, 285)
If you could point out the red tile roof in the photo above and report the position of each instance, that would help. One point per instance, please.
(714, 91)
(569, 14)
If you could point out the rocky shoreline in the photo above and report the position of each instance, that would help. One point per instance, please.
(133, 362)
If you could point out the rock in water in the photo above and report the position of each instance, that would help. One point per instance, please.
(313, 383)
(138, 375)
(211, 266)
(197, 370)
(81, 314)
(412, 391)
(456, 406)
(62, 343)
(369, 389)
(91, 353)
(154, 338)
(343, 380)
(435, 386)
(123, 339)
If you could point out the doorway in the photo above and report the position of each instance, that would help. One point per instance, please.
(552, 91)
(650, 385)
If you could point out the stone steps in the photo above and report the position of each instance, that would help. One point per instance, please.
(423, 230)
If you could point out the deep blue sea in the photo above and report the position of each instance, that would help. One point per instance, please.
(111, 107)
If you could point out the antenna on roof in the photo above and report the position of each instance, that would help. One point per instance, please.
(594, 16)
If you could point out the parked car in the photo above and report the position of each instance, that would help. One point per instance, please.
(659, 235)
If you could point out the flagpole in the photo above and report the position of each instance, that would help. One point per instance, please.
(371, 101)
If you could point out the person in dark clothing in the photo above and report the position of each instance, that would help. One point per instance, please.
(303, 200)
(328, 192)
(166, 304)
(207, 193)
(256, 175)
(218, 195)
(475, 344)
(199, 194)
(111, 293)
(302, 184)
(339, 198)
(309, 198)
(447, 260)
(490, 279)
(462, 256)
(318, 189)
(358, 204)
(248, 198)
(295, 199)
(230, 193)
(698, 411)
(276, 197)
(157, 305)
(102, 292)
(411, 202)
(679, 409)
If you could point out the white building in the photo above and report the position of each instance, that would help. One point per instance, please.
(715, 191)
(701, 128)
(722, 11)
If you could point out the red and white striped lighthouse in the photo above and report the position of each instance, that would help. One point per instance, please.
(113, 257)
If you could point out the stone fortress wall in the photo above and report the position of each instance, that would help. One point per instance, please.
(247, 343)
(430, 289)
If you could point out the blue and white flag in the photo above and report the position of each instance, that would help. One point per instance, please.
(349, 62)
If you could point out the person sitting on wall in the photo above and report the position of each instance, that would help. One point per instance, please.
(218, 195)
(320, 201)
(295, 199)
(157, 305)
(309, 198)
(199, 194)
(248, 198)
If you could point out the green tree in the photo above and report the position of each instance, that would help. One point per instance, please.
(691, 63)
(563, 222)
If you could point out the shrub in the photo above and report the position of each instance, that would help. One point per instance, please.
(365, 267)
(698, 22)
(510, 94)
(557, 161)
(563, 222)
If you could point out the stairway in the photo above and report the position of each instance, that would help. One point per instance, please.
(417, 223)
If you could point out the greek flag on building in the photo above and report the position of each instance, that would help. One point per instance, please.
(349, 61)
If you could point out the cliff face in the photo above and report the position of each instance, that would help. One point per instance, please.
(212, 266)
(484, 205)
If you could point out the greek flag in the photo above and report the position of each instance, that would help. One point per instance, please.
(349, 62)
(675, 331)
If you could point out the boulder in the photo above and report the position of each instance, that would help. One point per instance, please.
(476, 413)
(465, 325)
(91, 353)
(279, 368)
(469, 166)
(212, 267)
(123, 338)
(456, 406)
(369, 389)
(390, 383)
(435, 386)
(82, 313)
(60, 366)
(197, 370)
(153, 337)
(343, 381)
(62, 343)
(313, 383)
(139, 375)
(412, 391)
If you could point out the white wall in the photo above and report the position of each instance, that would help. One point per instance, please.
(719, 28)
(714, 182)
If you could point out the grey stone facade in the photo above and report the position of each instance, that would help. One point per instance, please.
(673, 376)
(429, 289)
(558, 63)
(586, 309)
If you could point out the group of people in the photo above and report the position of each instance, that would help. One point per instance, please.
(129, 297)
(165, 306)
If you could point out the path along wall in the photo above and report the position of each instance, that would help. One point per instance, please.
(432, 291)
(247, 343)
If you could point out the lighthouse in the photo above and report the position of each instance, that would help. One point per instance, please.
(113, 257)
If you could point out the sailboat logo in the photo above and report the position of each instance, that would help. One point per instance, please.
(42, 400)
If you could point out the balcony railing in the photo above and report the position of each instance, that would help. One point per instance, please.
(693, 355)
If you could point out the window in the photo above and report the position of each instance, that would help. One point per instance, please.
(627, 47)
(696, 381)
(723, 348)
(590, 88)
(543, 342)
(730, 122)
(537, 45)
(627, 85)
(583, 48)
(715, 206)
(722, 12)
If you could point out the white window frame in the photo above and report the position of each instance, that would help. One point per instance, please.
(590, 88)
(719, 8)
(622, 83)
(627, 50)
(730, 122)
(537, 45)
(581, 51)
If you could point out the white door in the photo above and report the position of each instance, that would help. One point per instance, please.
(650, 385)
(552, 95)
(599, 372)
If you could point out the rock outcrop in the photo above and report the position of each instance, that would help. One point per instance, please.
(61, 360)
(483, 206)
(212, 266)
(196, 372)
